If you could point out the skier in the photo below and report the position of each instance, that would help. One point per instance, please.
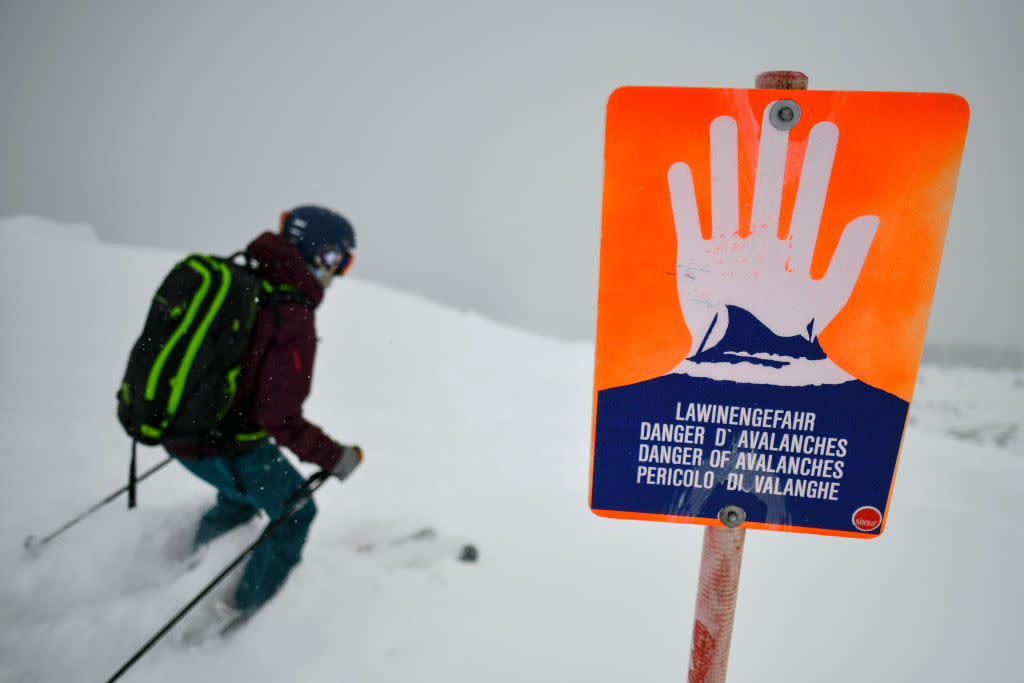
(247, 468)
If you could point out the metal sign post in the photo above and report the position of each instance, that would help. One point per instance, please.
(722, 553)
(717, 587)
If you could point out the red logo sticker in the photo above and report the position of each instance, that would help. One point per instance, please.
(867, 518)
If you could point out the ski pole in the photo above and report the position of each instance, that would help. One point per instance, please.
(294, 502)
(34, 544)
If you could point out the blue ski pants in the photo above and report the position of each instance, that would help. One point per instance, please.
(259, 479)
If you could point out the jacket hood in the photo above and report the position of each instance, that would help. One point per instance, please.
(282, 263)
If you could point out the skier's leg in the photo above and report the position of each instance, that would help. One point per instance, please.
(227, 514)
(232, 508)
(269, 481)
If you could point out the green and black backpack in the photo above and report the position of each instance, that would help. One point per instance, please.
(180, 381)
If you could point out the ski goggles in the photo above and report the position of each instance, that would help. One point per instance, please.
(335, 258)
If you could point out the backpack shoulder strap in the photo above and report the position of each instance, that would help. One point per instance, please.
(268, 294)
(284, 294)
(273, 297)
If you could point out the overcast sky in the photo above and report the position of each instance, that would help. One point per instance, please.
(463, 139)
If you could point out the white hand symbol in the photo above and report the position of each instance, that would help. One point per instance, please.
(767, 276)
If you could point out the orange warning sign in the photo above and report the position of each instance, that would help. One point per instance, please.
(768, 260)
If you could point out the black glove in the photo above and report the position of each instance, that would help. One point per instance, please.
(351, 456)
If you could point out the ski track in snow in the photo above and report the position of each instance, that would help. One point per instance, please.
(482, 433)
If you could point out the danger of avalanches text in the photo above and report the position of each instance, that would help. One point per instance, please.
(776, 448)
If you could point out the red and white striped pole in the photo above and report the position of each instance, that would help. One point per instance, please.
(716, 603)
(722, 553)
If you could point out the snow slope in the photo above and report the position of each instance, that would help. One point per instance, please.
(482, 432)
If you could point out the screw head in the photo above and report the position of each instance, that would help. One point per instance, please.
(732, 516)
(785, 114)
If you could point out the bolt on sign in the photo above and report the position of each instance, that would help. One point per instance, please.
(768, 260)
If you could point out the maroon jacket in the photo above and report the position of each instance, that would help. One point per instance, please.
(278, 365)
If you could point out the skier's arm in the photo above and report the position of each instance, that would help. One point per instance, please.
(284, 381)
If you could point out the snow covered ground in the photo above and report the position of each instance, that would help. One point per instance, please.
(483, 433)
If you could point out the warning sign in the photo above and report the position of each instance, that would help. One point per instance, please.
(768, 259)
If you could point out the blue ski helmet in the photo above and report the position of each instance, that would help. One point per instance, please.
(314, 229)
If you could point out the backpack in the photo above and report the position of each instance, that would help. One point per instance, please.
(180, 381)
